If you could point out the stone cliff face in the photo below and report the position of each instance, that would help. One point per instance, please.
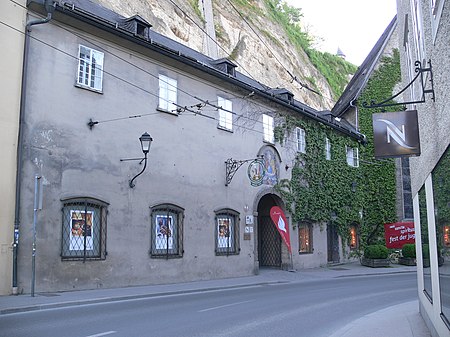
(268, 61)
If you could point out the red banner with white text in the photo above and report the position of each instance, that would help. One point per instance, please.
(279, 219)
(398, 233)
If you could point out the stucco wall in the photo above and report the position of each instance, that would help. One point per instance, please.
(434, 120)
(186, 166)
(433, 116)
(12, 37)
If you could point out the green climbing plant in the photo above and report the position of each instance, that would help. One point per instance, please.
(324, 191)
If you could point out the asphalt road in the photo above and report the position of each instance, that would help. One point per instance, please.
(288, 309)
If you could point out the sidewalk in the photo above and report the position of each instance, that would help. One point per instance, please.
(401, 320)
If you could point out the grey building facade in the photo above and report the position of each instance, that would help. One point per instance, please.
(96, 82)
(426, 27)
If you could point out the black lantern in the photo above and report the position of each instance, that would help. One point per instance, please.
(146, 142)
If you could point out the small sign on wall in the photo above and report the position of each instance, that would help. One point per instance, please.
(249, 219)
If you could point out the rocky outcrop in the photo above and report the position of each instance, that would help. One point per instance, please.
(257, 44)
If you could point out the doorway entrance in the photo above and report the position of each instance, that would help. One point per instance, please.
(269, 240)
(332, 244)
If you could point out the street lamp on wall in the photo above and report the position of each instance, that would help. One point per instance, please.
(146, 142)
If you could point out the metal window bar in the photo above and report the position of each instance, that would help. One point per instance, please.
(83, 231)
(166, 230)
(227, 234)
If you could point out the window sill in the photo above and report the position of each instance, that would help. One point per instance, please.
(305, 253)
(85, 87)
(224, 129)
(173, 113)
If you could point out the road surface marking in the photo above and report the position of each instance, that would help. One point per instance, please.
(103, 334)
(225, 305)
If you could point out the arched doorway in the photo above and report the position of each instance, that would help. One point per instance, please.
(269, 240)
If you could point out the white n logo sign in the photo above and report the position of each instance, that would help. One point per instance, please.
(398, 135)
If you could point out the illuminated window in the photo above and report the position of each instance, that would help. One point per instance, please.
(446, 236)
(305, 236)
(353, 237)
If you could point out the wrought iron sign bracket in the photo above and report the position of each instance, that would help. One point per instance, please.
(232, 165)
(427, 88)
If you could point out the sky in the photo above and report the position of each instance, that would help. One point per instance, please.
(352, 25)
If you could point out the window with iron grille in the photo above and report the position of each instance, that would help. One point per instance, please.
(305, 236)
(83, 229)
(90, 68)
(166, 231)
(227, 232)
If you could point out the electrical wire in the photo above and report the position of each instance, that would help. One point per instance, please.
(147, 91)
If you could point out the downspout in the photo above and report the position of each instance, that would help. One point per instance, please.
(356, 114)
(49, 7)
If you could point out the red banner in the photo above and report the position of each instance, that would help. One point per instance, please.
(279, 219)
(398, 233)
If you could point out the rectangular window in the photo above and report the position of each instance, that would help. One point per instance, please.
(268, 129)
(418, 30)
(227, 232)
(300, 140)
(441, 202)
(423, 220)
(225, 113)
(352, 156)
(83, 230)
(353, 237)
(166, 231)
(167, 94)
(90, 68)
(327, 149)
(305, 238)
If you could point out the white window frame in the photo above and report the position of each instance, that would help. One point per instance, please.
(167, 94)
(327, 148)
(268, 128)
(417, 20)
(352, 155)
(90, 68)
(300, 139)
(436, 7)
(225, 113)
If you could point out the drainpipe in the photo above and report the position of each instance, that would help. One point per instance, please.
(50, 8)
(356, 115)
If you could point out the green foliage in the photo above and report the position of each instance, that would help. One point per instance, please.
(376, 252)
(332, 67)
(194, 5)
(318, 187)
(409, 250)
(335, 69)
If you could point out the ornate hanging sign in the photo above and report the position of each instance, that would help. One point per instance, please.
(256, 172)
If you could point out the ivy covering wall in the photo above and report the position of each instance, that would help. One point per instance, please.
(330, 191)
